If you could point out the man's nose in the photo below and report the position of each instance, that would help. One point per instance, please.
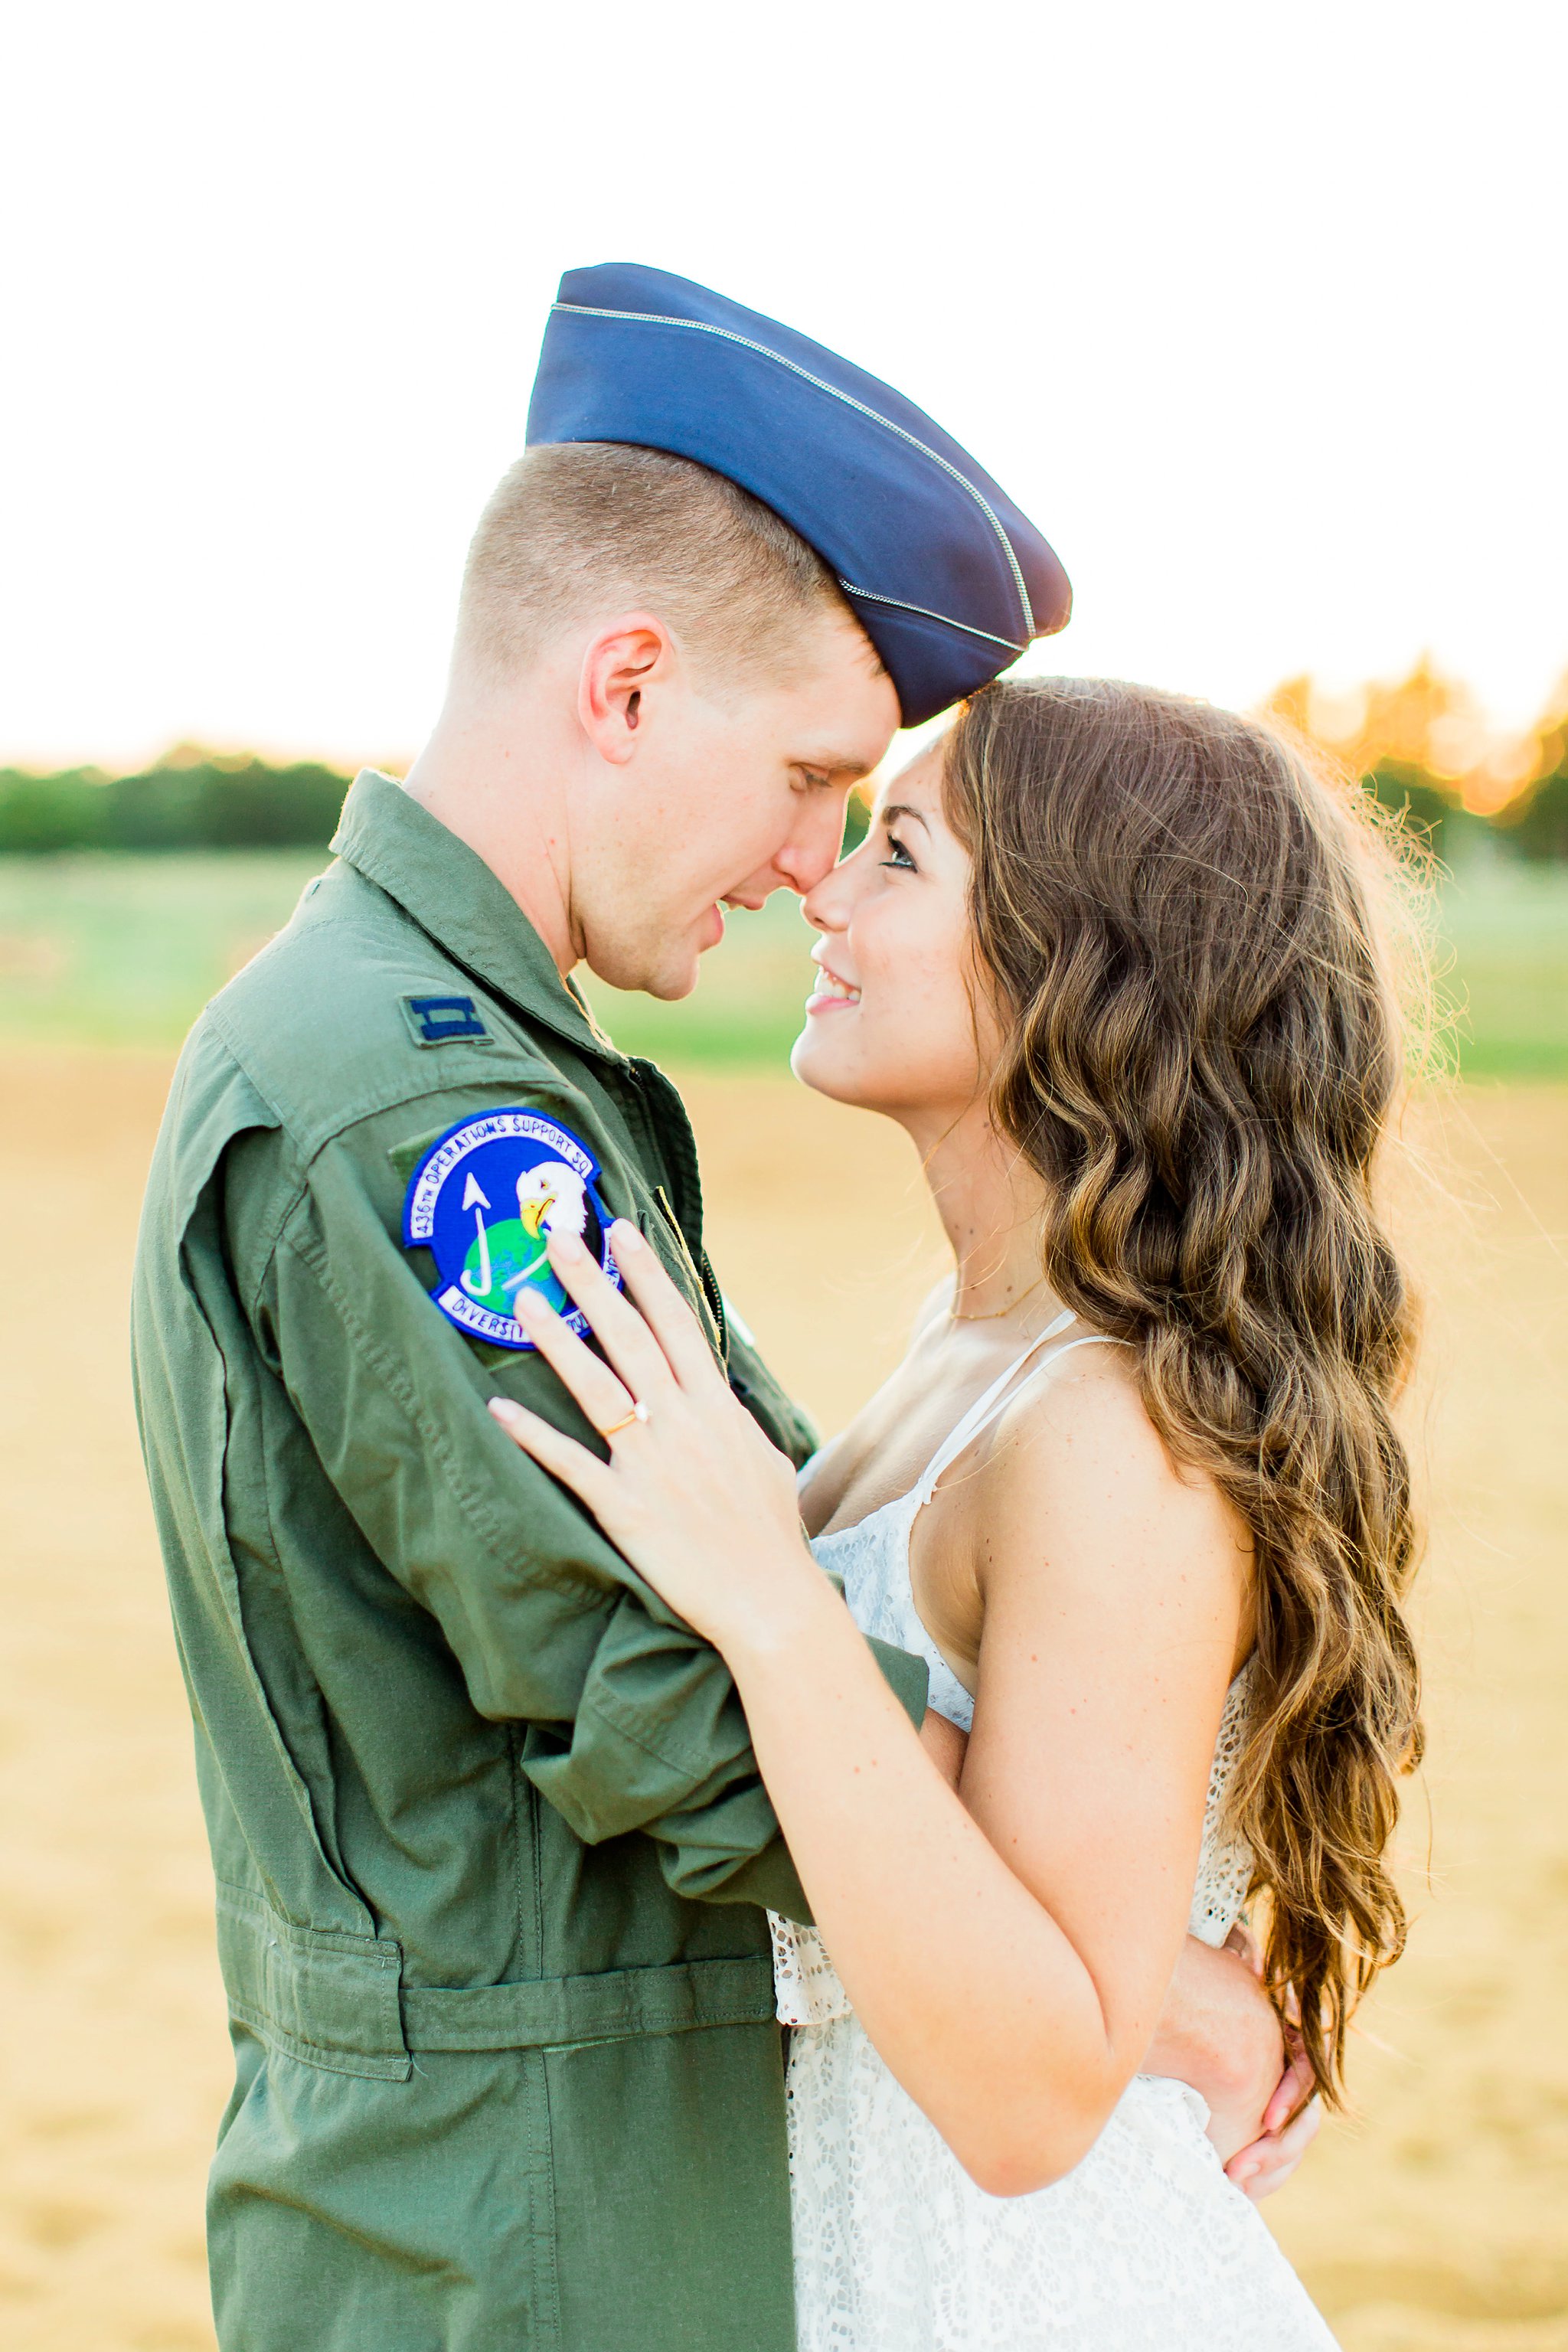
(812, 850)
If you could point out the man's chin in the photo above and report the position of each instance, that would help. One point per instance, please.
(666, 969)
(680, 969)
(670, 987)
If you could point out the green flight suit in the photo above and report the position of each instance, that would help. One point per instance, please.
(490, 1840)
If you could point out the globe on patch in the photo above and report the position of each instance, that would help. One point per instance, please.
(486, 1201)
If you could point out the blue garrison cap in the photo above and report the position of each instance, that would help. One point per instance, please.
(947, 579)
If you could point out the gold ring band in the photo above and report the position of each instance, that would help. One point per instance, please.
(637, 1413)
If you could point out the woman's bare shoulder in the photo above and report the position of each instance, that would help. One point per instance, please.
(1085, 1397)
(1076, 1465)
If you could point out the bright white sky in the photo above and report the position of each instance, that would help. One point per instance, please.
(1256, 309)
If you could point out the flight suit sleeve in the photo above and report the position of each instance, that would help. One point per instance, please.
(634, 1722)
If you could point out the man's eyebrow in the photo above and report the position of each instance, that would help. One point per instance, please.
(838, 763)
(892, 809)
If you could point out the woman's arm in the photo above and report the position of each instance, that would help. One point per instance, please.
(1013, 1982)
(1008, 1955)
(1219, 2032)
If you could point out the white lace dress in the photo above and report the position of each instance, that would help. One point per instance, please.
(1145, 2244)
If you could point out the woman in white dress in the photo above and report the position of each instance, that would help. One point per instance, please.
(1116, 964)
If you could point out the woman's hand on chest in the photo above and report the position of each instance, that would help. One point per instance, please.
(693, 1494)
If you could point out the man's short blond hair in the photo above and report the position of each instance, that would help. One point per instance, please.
(585, 527)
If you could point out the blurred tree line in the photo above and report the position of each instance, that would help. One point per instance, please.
(1423, 747)
(1427, 750)
(191, 799)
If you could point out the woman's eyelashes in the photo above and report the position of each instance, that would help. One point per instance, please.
(898, 857)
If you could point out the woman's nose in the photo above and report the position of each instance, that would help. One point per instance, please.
(827, 907)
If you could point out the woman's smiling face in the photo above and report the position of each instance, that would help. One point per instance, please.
(892, 1023)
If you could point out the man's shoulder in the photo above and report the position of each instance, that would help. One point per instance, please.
(354, 1009)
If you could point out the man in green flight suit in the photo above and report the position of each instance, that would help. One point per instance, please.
(490, 1845)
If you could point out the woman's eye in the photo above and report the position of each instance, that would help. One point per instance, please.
(899, 856)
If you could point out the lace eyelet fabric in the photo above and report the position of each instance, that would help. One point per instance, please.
(1144, 2247)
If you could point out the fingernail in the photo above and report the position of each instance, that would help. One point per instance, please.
(526, 1304)
(504, 1409)
(626, 1236)
(566, 1245)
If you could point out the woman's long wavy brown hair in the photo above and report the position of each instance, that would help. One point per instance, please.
(1203, 1050)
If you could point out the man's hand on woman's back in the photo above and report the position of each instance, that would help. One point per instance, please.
(1220, 2032)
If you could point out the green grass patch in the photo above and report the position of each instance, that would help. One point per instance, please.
(118, 948)
(104, 947)
(1504, 970)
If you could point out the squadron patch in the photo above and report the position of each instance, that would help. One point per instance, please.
(485, 1200)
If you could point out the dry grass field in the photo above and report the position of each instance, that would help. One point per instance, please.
(1437, 2220)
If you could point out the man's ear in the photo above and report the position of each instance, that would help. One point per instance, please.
(620, 663)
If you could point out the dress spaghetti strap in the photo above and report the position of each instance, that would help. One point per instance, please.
(999, 1396)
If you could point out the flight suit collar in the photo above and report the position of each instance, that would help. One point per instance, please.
(450, 892)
